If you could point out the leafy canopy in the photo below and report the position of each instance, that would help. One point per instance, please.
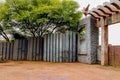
(39, 17)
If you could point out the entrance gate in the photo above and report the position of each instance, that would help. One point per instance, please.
(106, 15)
(114, 55)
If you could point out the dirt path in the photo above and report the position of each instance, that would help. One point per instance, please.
(56, 71)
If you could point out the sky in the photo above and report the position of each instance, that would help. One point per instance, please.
(93, 3)
(114, 30)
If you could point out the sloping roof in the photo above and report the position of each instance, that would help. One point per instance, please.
(109, 10)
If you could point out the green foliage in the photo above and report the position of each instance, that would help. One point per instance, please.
(17, 35)
(82, 33)
(40, 17)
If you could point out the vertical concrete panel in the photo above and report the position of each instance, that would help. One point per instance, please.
(4, 50)
(30, 40)
(12, 50)
(33, 49)
(48, 49)
(45, 47)
(70, 47)
(28, 53)
(60, 50)
(0, 51)
(15, 53)
(7, 51)
(19, 53)
(40, 48)
(21, 50)
(57, 43)
(24, 49)
(37, 48)
(67, 47)
(36, 51)
(0, 48)
(6, 55)
(55, 47)
(74, 47)
(59, 47)
(51, 47)
(64, 48)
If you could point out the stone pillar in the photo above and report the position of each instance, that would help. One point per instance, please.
(90, 43)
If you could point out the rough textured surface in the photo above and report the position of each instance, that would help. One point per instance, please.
(91, 41)
(99, 54)
(94, 41)
(60, 47)
(56, 71)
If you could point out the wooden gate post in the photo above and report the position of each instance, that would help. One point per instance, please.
(104, 42)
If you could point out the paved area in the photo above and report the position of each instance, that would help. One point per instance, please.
(27, 70)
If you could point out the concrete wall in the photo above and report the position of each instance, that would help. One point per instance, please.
(90, 42)
(60, 47)
(99, 54)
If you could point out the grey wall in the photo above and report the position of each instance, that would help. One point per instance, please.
(90, 44)
(22, 49)
(60, 47)
(99, 54)
(56, 47)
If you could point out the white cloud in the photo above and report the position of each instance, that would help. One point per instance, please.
(93, 3)
(2, 0)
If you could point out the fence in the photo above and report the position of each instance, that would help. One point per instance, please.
(35, 49)
(53, 47)
(114, 55)
(60, 47)
(26, 49)
(6, 50)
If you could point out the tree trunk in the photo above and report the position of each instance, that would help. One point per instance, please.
(5, 36)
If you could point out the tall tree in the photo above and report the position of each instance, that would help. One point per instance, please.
(40, 17)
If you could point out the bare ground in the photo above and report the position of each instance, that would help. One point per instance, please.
(27, 70)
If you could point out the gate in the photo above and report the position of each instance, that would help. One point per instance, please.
(114, 55)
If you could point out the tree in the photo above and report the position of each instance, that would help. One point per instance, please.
(41, 17)
(4, 20)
